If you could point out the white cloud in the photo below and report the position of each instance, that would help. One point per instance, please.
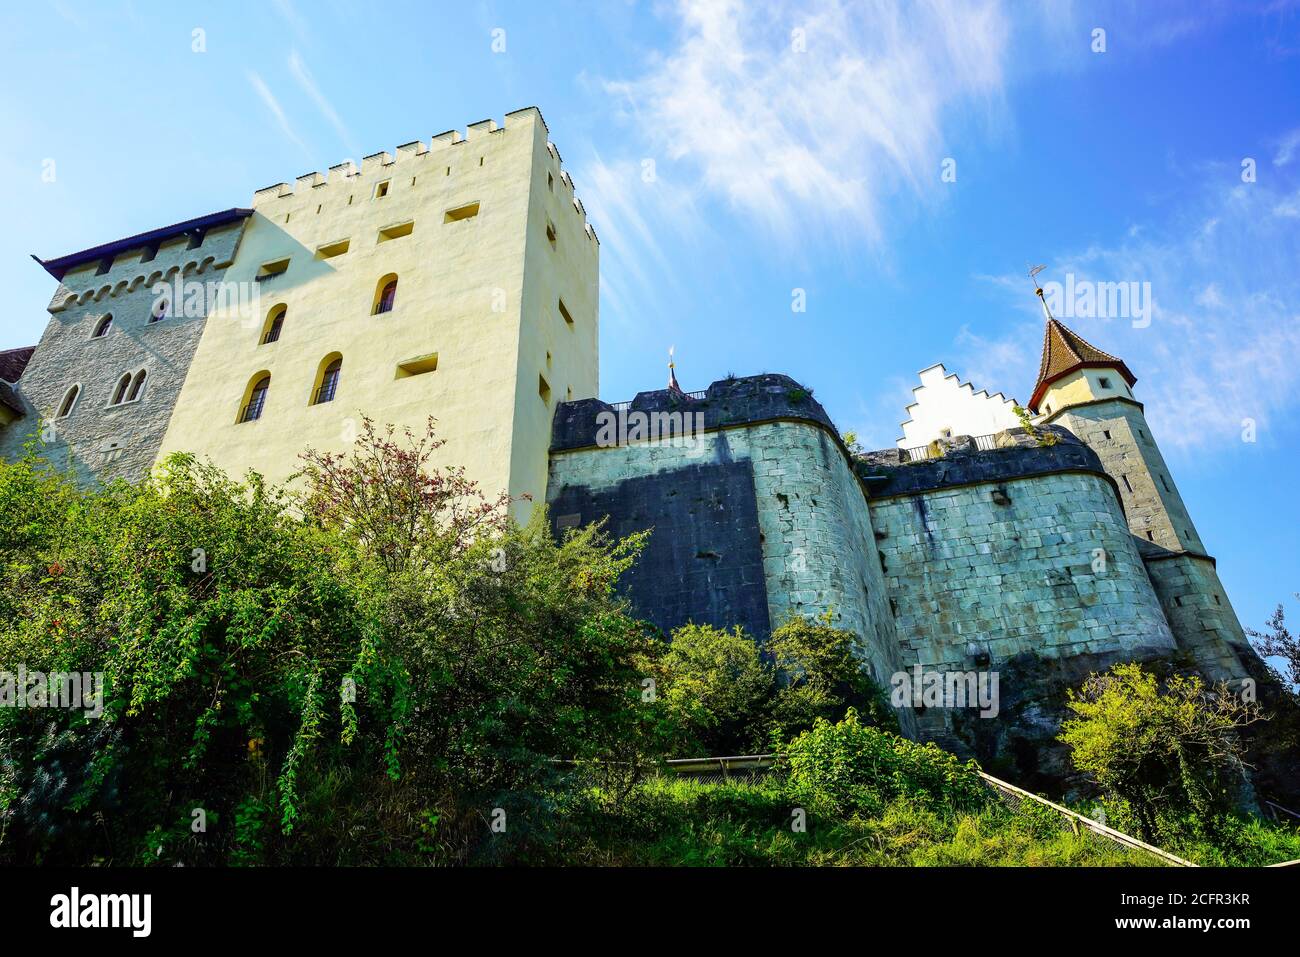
(805, 140)
(1286, 149)
(1289, 207)
(1224, 340)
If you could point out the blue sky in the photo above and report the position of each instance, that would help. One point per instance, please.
(730, 154)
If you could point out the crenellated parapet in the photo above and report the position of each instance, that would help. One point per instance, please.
(418, 158)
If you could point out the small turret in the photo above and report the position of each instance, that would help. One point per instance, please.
(1074, 371)
(1089, 392)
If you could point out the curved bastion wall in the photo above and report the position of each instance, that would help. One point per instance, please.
(754, 511)
(984, 568)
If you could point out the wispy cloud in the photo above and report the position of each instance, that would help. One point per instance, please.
(1223, 345)
(1286, 149)
(807, 117)
(309, 85)
(273, 105)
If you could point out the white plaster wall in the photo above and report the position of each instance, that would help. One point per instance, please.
(942, 401)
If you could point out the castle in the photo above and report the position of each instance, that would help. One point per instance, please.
(458, 278)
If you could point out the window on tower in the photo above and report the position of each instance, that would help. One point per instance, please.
(69, 400)
(274, 324)
(255, 397)
(385, 295)
(328, 381)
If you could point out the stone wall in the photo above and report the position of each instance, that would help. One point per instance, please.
(1201, 617)
(1043, 565)
(97, 441)
(760, 506)
(1183, 574)
(1117, 431)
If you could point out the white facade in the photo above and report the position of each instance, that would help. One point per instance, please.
(945, 406)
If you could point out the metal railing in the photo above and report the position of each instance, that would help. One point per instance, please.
(1014, 796)
(919, 453)
(624, 406)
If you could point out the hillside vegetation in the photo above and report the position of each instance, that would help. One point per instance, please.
(378, 667)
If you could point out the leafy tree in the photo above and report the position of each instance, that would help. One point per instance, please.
(717, 689)
(219, 630)
(1278, 642)
(728, 695)
(503, 651)
(343, 674)
(1164, 753)
(819, 675)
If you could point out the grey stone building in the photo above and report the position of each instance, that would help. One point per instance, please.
(95, 395)
(1025, 554)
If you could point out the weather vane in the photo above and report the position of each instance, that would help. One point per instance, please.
(1038, 289)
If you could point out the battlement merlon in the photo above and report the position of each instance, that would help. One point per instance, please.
(438, 147)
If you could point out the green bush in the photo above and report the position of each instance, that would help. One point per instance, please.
(1166, 755)
(850, 767)
(727, 695)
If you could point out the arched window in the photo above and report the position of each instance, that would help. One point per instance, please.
(102, 327)
(137, 386)
(119, 390)
(255, 397)
(274, 323)
(327, 379)
(385, 294)
(69, 400)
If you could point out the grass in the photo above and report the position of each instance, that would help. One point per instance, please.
(674, 822)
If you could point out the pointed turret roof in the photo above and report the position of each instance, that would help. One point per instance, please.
(1064, 351)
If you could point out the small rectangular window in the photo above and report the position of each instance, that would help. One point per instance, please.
(381, 189)
(550, 233)
(104, 266)
(550, 182)
(1106, 433)
(149, 253)
(330, 250)
(468, 211)
(544, 389)
(1127, 484)
(272, 269)
(1151, 536)
(417, 366)
(1104, 382)
(396, 231)
(565, 313)
(1165, 483)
